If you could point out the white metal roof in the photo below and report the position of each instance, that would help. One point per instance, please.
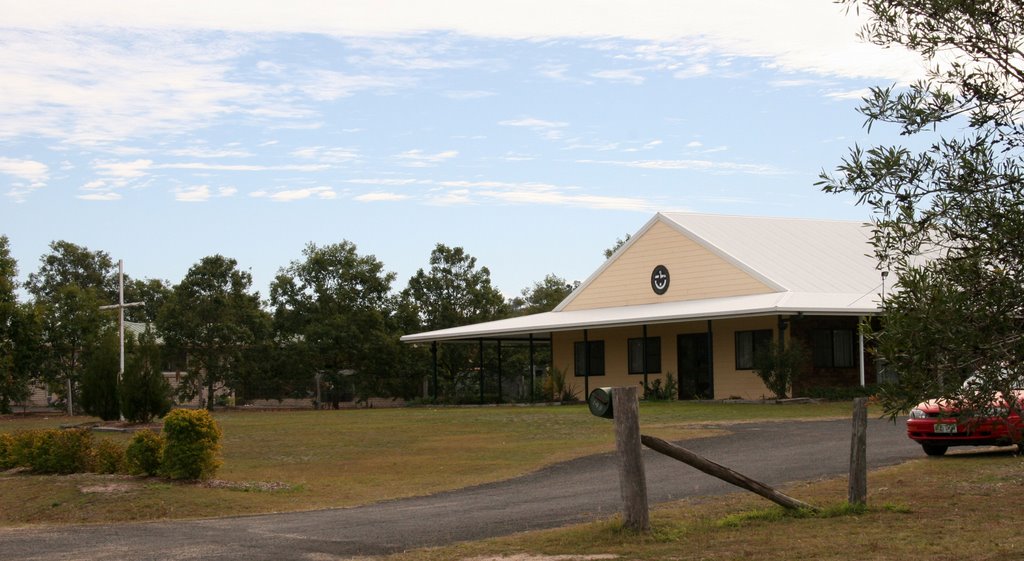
(817, 267)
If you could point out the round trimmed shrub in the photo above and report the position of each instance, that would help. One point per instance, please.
(142, 457)
(191, 445)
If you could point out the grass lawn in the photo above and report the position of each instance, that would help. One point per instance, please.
(286, 461)
(962, 506)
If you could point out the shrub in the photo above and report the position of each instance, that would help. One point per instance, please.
(841, 393)
(656, 392)
(192, 445)
(6, 451)
(60, 451)
(21, 446)
(142, 457)
(107, 457)
(779, 365)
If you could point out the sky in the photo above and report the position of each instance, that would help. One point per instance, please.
(532, 134)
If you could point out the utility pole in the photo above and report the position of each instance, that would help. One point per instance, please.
(120, 306)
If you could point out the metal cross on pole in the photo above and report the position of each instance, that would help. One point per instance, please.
(120, 306)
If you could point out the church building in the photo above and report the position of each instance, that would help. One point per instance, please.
(698, 297)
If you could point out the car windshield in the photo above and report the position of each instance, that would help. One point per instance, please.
(977, 381)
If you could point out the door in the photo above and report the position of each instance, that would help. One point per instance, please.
(695, 376)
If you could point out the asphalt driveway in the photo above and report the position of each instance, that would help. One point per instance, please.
(575, 491)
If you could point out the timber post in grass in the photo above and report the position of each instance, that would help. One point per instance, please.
(858, 453)
(725, 474)
(632, 480)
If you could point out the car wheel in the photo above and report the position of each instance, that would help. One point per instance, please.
(934, 449)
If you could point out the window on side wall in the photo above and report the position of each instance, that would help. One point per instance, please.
(749, 344)
(833, 348)
(636, 355)
(596, 358)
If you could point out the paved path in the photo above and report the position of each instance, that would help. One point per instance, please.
(575, 491)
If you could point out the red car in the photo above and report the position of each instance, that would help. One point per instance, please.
(935, 426)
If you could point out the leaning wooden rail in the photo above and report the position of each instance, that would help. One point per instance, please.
(722, 472)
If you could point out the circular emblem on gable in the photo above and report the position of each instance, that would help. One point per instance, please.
(659, 280)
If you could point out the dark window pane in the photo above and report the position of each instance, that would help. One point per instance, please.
(842, 348)
(636, 350)
(749, 344)
(596, 358)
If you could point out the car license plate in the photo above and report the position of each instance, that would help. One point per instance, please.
(945, 428)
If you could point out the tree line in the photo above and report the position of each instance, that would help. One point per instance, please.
(329, 327)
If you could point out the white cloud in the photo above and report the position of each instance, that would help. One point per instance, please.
(419, 159)
(693, 165)
(462, 95)
(855, 95)
(694, 144)
(204, 152)
(381, 197)
(328, 85)
(204, 166)
(201, 193)
(533, 123)
(384, 181)
(692, 71)
(28, 170)
(826, 42)
(289, 195)
(108, 196)
(194, 194)
(29, 175)
(123, 170)
(334, 155)
(627, 76)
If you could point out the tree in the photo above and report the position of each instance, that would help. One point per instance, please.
(619, 242)
(213, 317)
(335, 305)
(949, 219)
(17, 336)
(70, 285)
(454, 292)
(543, 296)
(451, 293)
(151, 292)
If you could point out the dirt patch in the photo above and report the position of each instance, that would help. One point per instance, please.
(532, 557)
(252, 486)
(108, 488)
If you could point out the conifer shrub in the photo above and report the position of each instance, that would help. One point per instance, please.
(192, 445)
(145, 393)
(99, 378)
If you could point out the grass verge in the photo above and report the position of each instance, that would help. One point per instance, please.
(963, 506)
(287, 461)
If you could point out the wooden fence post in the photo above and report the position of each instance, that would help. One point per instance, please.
(632, 480)
(858, 453)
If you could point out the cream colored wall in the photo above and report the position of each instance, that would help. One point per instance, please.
(728, 381)
(695, 273)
